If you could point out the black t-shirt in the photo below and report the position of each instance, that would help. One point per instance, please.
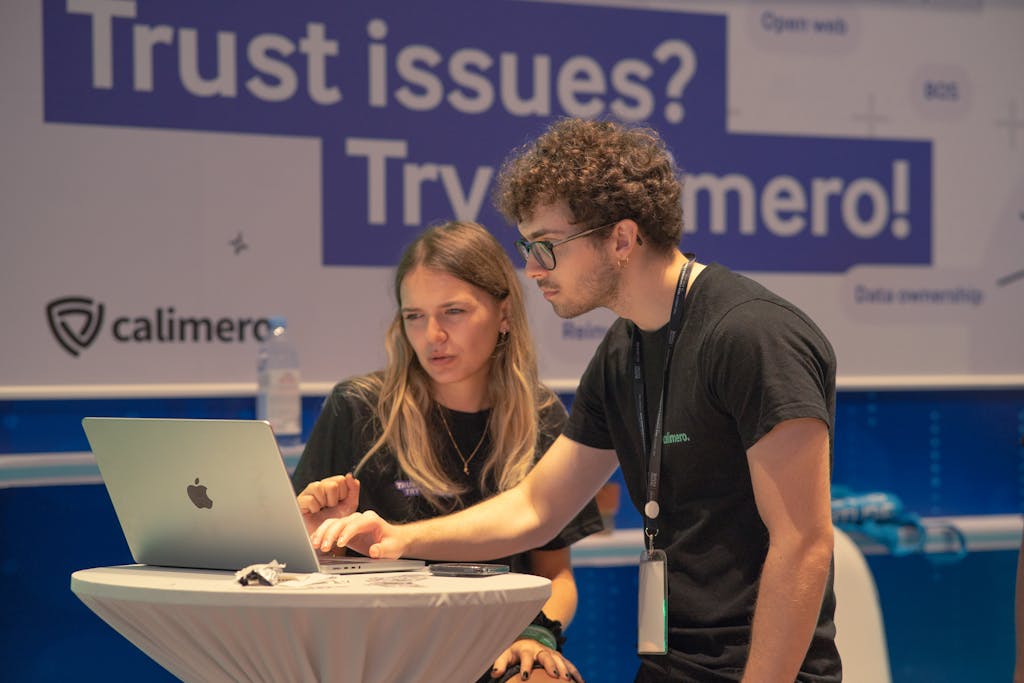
(745, 360)
(346, 428)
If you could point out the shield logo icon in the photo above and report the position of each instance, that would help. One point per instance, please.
(75, 321)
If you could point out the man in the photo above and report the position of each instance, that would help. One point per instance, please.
(746, 390)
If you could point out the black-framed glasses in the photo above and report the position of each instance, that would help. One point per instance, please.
(544, 251)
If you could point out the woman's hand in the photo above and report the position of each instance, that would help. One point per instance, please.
(526, 652)
(329, 498)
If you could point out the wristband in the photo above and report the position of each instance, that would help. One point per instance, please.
(541, 635)
(552, 625)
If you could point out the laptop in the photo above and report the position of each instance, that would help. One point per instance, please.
(209, 494)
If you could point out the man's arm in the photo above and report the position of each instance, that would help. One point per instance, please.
(524, 517)
(789, 470)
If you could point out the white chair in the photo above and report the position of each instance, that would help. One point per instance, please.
(860, 631)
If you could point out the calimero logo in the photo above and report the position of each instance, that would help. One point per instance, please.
(74, 321)
(669, 437)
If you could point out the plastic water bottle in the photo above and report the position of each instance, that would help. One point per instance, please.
(278, 399)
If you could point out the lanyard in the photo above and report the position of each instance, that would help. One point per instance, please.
(675, 324)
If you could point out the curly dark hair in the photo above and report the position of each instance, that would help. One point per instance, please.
(604, 170)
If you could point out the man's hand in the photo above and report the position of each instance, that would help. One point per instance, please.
(329, 498)
(364, 532)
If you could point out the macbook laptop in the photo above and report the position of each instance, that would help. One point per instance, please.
(208, 494)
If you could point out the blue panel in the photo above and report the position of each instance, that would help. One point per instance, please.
(601, 641)
(948, 623)
(48, 634)
(45, 426)
(940, 452)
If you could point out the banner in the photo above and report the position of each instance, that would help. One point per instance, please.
(183, 170)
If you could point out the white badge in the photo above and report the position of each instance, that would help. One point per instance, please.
(652, 615)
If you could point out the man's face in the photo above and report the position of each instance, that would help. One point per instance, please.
(584, 277)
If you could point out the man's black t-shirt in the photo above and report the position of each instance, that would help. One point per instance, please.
(346, 428)
(745, 360)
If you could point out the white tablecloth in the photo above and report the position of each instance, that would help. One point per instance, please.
(403, 627)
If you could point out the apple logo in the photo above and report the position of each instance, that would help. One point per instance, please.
(197, 494)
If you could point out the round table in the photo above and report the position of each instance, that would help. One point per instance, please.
(398, 627)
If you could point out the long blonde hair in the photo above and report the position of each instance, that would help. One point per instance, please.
(400, 396)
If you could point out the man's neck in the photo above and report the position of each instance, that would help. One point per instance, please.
(649, 287)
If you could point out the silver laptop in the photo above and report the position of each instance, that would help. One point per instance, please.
(210, 494)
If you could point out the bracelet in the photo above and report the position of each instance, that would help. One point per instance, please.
(541, 635)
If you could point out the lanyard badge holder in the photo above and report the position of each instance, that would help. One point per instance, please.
(652, 601)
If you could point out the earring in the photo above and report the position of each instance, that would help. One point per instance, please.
(502, 337)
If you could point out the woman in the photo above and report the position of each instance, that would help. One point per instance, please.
(457, 415)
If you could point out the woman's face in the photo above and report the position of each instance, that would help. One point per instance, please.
(453, 327)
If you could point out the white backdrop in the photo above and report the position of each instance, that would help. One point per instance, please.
(160, 221)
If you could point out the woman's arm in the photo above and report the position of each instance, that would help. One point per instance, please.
(555, 565)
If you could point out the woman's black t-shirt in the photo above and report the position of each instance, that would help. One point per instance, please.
(346, 429)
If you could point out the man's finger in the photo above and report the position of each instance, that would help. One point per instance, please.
(368, 525)
(355, 524)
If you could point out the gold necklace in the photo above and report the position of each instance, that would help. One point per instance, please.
(464, 459)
